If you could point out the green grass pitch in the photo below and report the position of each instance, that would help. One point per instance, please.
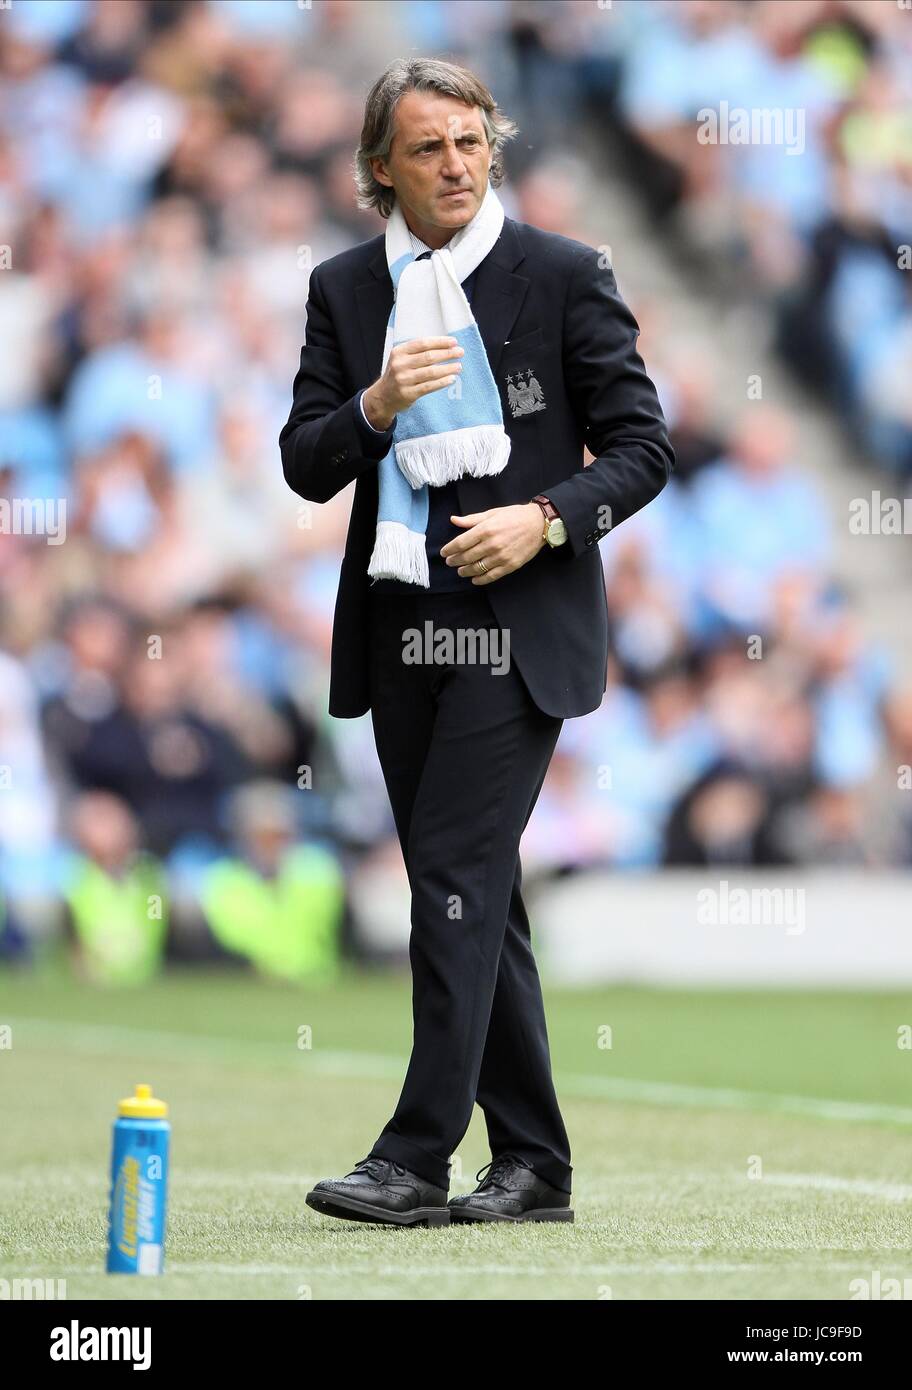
(727, 1145)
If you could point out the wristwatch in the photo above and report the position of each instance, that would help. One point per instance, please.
(555, 532)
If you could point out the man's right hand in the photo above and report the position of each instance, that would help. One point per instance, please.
(414, 369)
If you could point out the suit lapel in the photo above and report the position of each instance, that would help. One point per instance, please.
(496, 300)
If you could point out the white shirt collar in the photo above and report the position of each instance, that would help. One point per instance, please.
(418, 245)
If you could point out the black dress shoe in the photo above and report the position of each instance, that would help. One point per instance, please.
(377, 1189)
(510, 1191)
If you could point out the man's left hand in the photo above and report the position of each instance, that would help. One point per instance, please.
(505, 538)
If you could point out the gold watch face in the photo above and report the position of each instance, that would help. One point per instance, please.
(557, 532)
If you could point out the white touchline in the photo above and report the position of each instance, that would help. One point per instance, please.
(304, 1271)
(889, 1191)
(92, 1037)
(603, 1188)
(725, 1097)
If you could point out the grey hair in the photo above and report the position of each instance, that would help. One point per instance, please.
(421, 75)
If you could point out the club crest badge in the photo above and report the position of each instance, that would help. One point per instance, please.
(524, 393)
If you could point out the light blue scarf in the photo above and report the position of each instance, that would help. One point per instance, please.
(451, 432)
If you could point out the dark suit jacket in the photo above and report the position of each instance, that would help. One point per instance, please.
(544, 303)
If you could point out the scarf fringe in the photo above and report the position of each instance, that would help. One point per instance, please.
(399, 554)
(435, 459)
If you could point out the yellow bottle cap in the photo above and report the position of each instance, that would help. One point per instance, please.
(143, 1105)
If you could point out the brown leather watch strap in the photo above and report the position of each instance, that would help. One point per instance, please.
(549, 510)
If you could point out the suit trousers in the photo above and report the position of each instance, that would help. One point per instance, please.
(464, 752)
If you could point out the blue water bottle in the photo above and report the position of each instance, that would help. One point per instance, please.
(139, 1181)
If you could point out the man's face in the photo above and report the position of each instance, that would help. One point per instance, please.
(438, 162)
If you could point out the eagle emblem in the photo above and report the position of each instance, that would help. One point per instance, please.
(524, 393)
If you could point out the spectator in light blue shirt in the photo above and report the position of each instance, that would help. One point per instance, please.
(759, 520)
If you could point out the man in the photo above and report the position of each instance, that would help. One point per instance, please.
(461, 404)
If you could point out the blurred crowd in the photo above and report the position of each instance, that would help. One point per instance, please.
(818, 220)
(169, 172)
